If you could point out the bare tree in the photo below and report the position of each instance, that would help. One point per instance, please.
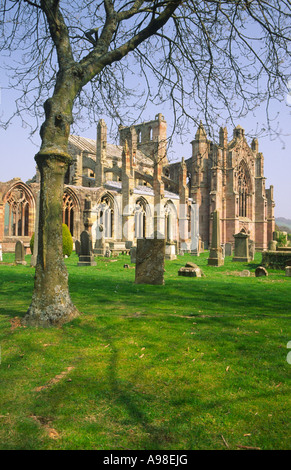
(205, 57)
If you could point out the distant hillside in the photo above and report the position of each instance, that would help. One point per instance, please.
(283, 224)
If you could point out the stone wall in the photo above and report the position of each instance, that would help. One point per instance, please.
(275, 259)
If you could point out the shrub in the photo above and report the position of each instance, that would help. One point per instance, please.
(282, 239)
(67, 241)
(31, 243)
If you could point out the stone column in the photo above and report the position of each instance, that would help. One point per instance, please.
(195, 229)
(215, 255)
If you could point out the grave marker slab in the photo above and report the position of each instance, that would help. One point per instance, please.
(20, 253)
(150, 261)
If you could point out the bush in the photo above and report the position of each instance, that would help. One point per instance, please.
(31, 243)
(67, 241)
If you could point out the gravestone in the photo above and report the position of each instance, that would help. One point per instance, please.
(86, 257)
(77, 247)
(189, 272)
(215, 255)
(228, 249)
(241, 247)
(1, 256)
(20, 253)
(189, 264)
(133, 254)
(252, 249)
(288, 271)
(100, 245)
(245, 273)
(223, 250)
(150, 261)
(261, 271)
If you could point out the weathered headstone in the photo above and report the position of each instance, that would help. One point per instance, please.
(189, 264)
(150, 261)
(189, 272)
(228, 249)
(77, 247)
(245, 273)
(100, 245)
(241, 247)
(215, 255)
(252, 249)
(19, 253)
(261, 271)
(223, 250)
(86, 257)
(133, 254)
(288, 271)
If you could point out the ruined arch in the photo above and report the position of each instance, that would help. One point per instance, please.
(107, 214)
(71, 212)
(19, 211)
(142, 214)
(171, 220)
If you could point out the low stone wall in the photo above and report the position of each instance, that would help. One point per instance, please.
(275, 259)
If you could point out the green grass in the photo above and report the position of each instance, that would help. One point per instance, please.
(199, 363)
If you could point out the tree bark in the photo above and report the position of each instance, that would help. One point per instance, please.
(51, 303)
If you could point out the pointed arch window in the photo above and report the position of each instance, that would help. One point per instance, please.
(68, 212)
(140, 219)
(105, 216)
(170, 221)
(16, 217)
(243, 191)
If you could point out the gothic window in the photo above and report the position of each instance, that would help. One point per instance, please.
(140, 219)
(243, 191)
(170, 221)
(16, 218)
(68, 212)
(106, 216)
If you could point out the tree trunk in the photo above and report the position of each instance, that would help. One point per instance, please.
(51, 303)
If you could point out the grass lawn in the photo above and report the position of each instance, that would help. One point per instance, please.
(199, 363)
